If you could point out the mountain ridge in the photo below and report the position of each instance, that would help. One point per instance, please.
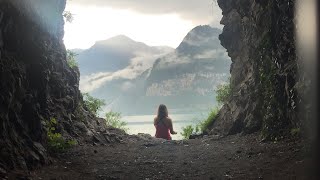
(114, 54)
(185, 78)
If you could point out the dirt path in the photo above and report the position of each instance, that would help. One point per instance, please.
(232, 157)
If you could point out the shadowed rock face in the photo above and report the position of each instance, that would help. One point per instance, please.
(36, 83)
(32, 61)
(259, 38)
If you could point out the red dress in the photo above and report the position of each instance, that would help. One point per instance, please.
(162, 131)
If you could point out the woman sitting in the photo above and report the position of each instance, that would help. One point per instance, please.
(163, 123)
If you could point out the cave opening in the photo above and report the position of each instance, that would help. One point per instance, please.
(260, 125)
(139, 58)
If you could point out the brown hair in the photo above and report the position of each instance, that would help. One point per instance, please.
(162, 112)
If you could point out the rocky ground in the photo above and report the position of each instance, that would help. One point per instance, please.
(143, 157)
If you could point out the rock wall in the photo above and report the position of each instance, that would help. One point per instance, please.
(36, 84)
(259, 38)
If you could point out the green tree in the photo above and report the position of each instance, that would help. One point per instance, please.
(94, 105)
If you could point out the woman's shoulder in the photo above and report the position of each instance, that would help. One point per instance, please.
(168, 119)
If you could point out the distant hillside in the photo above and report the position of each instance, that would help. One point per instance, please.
(194, 69)
(185, 79)
(114, 54)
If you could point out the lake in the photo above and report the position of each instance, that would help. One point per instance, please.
(144, 123)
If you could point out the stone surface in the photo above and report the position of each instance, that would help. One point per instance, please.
(259, 35)
(36, 84)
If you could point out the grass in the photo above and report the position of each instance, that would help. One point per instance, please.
(207, 123)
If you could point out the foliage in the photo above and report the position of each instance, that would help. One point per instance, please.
(205, 124)
(187, 131)
(68, 16)
(223, 93)
(71, 59)
(80, 114)
(56, 143)
(201, 126)
(94, 105)
(295, 132)
(271, 111)
(113, 119)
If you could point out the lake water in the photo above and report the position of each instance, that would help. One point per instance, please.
(144, 123)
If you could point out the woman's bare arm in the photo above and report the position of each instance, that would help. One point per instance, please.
(171, 127)
(155, 121)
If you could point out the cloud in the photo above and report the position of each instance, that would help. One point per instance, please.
(94, 81)
(126, 86)
(138, 65)
(215, 53)
(198, 11)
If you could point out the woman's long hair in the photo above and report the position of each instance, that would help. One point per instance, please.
(162, 112)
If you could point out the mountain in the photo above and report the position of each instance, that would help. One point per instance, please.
(199, 60)
(199, 40)
(77, 51)
(114, 54)
(185, 79)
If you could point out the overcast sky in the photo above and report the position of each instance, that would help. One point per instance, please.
(154, 22)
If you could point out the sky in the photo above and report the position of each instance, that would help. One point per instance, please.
(154, 22)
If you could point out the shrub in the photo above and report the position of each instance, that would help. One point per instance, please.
(68, 16)
(113, 119)
(56, 143)
(187, 131)
(71, 59)
(223, 93)
(94, 105)
(201, 126)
